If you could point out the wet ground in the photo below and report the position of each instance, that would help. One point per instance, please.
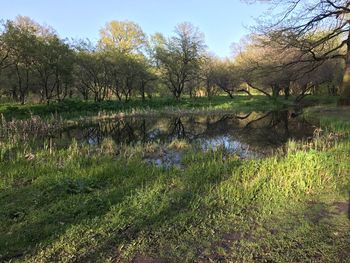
(249, 135)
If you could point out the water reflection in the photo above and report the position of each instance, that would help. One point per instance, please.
(258, 132)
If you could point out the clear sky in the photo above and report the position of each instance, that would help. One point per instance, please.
(222, 21)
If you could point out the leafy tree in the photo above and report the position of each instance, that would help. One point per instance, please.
(19, 39)
(127, 69)
(146, 77)
(124, 36)
(41, 62)
(4, 54)
(90, 74)
(208, 75)
(179, 57)
(53, 65)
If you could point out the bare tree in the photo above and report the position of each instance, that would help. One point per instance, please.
(299, 25)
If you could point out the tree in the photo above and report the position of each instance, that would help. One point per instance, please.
(91, 75)
(325, 78)
(179, 57)
(62, 62)
(129, 70)
(126, 76)
(208, 75)
(124, 36)
(4, 54)
(261, 66)
(225, 77)
(146, 77)
(40, 60)
(299, 26)
(272, 68)
(53, 65)
(19, 38)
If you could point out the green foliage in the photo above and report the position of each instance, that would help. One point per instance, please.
(125, 36)
(37, 65)
(179, 57)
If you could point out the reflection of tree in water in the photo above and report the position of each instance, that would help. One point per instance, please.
(188, 128)
(256, 130)
(142, 130)
(226, 124)
(177, 129)
(274, 128)
(120, 130)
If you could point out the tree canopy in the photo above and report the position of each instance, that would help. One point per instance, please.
(289, 57)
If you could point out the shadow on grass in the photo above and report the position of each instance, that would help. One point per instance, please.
(115, 205)
(178, 212)
(38, 213)
(314, 232)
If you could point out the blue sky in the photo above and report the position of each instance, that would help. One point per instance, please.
(222, 21)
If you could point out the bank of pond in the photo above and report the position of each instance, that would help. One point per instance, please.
(175, 186)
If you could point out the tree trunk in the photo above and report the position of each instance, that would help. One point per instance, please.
(286, 92)
(19, 81)
(58, 89)
(177, 93)
(275, 90)
(47, 93)
(14, 92)
(143, 91)
(208, 89)
(262, 91)
(345, 85)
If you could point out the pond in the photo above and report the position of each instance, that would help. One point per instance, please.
(249, 135)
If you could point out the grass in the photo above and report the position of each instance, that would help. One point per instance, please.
(87, 204)
(70, 109)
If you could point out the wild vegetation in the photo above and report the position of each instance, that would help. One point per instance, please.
(105, 203)
(292, 57)
(142, 148)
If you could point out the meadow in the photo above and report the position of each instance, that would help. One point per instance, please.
(104, 203)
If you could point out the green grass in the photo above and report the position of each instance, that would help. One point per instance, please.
(73, 109)
(85, 204)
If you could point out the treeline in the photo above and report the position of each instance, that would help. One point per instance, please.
(36, 64)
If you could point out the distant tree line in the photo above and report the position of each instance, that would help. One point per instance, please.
(36, 64)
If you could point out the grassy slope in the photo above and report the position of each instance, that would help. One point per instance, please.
(82, 204)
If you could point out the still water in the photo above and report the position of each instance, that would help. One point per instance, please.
(247, 134)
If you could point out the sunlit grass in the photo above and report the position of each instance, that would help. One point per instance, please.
(74, 109)
(104, 203)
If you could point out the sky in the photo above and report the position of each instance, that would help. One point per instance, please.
(223, 22)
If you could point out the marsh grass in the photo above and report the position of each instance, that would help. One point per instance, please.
(104, 203)
(179, 145)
